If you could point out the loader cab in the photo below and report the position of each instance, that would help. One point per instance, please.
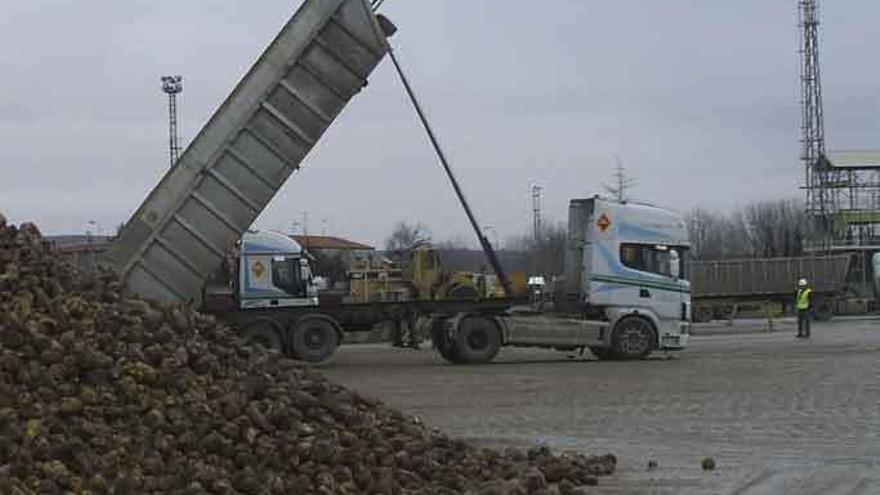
(274, 271)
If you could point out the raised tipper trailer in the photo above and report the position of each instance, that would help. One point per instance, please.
(626, 291)
(180, 235)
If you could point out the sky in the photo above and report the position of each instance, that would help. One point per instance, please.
(698, 99)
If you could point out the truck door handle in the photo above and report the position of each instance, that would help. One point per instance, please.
(644, 293)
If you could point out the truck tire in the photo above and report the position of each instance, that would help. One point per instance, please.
(477, 340)
(602, 353)
(703, 314)
(314, 339)
(633, 338)
(265, 332)
(823, 310)
(441, 343)
(450, 354)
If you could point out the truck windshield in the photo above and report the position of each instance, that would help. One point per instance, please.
(670, 261)
(286, 276)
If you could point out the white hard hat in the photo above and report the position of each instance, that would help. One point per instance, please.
(802, 282)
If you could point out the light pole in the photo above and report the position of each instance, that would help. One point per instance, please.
(172, 86)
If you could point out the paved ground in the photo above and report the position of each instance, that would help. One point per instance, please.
(778, 415)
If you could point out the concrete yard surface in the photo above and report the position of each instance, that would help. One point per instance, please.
(777, 414)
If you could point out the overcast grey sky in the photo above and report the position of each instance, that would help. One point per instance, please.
(698, 98)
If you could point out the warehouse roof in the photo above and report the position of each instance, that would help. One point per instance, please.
(851, 159)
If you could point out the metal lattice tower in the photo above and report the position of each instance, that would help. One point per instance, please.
(843, 188)
(172, 86)
(820, 200)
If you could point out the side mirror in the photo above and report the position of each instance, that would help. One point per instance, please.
(674, 264)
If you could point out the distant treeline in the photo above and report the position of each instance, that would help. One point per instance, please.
(767, 229)
(761, 230)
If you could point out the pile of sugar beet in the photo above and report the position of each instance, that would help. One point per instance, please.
(105, 393)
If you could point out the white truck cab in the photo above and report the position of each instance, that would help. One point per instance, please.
(633, 263)
(273, 271)
(625, 291)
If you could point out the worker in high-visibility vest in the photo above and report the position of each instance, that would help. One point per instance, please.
(802, 305)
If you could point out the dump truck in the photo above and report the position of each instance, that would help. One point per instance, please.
(722, 286)
(189, 242)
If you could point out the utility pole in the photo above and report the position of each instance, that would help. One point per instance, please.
(172, 86)
(537, 213)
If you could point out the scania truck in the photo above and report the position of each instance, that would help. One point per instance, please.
(624, 294)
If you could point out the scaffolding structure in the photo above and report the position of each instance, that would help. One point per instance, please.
(172, 86)
(842, 187)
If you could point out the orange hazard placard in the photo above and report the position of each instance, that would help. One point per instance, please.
(603, 222)
(258, 269)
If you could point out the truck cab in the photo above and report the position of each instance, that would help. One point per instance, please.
(625, 291)
(273, 271)
(630, 260)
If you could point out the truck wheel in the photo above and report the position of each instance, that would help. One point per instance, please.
(450, 353)
(478, 340)
(602, 353)
(823, 310)
(633, 338)
(265, 332)
(314, 340)
(703, 314)
(441, 342)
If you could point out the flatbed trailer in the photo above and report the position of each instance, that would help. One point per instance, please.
(305, 332)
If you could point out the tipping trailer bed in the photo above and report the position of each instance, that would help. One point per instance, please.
(719, 289)
(179, 236)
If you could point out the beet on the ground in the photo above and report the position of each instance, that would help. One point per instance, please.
(106, 393)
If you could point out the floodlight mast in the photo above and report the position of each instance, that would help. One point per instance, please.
(172, 86)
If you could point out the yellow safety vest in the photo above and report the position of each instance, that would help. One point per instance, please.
(802, 301)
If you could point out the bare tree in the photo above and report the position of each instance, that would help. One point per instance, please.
(764, 229)
(779, 228)
(407, 236)
(622, 183)
(542, 256)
